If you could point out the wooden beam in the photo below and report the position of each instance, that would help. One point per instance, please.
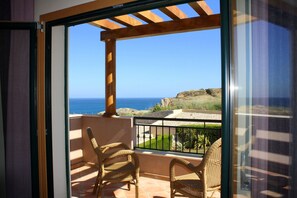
(201, 8)
(173, 12)
(110, 78)
(106, 24)
(126, 20)
(148, 16)
(168, 27)
(82, 8)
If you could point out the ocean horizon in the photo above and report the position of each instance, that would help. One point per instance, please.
(96, 105)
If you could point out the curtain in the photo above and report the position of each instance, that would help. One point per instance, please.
(15, 154)
(2, 150)
(17, 134)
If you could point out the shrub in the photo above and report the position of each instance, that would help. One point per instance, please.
(196, 137)
(156, 108)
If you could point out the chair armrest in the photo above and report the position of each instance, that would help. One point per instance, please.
(114, 146)
(180, 162)
(122, 153)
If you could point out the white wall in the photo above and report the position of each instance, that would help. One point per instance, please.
(58, 112)
(58, 93)
(46, 6)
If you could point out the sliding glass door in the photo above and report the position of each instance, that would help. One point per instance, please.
(263, 61)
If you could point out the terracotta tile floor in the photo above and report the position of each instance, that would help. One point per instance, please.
(83, 179)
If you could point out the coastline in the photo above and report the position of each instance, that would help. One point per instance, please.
(93, 106)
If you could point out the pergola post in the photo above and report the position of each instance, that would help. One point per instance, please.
(110, 77)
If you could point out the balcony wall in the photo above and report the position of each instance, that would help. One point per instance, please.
(118, 129)
(75, 136)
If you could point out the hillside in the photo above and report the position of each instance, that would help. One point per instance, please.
(202, 99)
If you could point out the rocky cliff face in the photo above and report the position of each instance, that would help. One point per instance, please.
(193, 98)
(215, 92)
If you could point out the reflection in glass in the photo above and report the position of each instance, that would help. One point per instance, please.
(262, 66)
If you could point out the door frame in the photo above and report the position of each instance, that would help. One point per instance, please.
(100, 10)
(227, 129)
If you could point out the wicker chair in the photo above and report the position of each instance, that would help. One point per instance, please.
(206, 177)
(116, 164)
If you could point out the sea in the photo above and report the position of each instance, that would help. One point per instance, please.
(96, 105)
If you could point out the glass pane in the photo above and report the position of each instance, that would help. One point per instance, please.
(263, 34)
(15, 93)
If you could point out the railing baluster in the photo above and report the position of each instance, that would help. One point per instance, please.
(183, 138)
(157, 138)
(150, 137)
(191, 139)
(169, 138)
(197, 143)
(175, 139)
(137, 129)
(162, 135)
(187, 134)
(204, 132)
(143, 136)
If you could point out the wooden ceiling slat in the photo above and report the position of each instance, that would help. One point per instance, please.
(106, 24)
(173, 12)
(126, 20)
(201, 8)
(148, 16)
(168, 27)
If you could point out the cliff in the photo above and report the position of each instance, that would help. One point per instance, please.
(202, 99)
(215, 92)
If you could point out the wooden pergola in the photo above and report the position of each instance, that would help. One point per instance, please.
(143, 24)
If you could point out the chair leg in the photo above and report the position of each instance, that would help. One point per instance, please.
(171, 193)
(136, 183)
(171, 190)
(129, 186)
(96, 183)
(99, 193)
(136, 189)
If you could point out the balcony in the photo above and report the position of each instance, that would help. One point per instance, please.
(154, 163)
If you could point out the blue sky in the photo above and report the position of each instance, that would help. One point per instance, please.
(159, 66)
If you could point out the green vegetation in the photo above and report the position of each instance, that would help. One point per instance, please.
(156, 143)
(215, 105)
(156, 108)
(198, 136)
(195, 138)
(190, 104)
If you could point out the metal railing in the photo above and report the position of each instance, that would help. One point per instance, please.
(176, 134)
